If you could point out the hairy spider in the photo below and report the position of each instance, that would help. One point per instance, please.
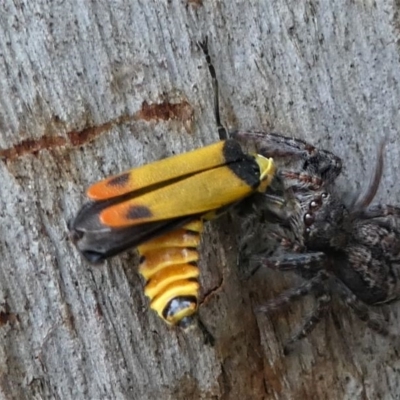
(336, 241)
(330, 238)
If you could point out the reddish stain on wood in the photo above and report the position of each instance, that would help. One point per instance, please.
(195, 3)
(32, 146)
(182, 112)
(166, 111)
(8, 317)
(98, 311)
(79, 138)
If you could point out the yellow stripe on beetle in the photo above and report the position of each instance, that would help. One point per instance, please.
(197, 194)
(162, 171)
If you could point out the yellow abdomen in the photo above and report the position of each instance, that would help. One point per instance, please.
(169, 266)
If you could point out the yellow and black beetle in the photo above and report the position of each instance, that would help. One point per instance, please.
(159, 208)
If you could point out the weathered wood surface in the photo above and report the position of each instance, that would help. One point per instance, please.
(92, 88)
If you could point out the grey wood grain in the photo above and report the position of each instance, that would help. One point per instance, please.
(78, 81)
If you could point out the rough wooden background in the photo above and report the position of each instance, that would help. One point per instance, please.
(92, 88)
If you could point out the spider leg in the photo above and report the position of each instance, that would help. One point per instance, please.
(221, 129)
(318, 162)
(379, 211)
(294, 293)
(364, 200)
(307, 181)
(291, 246)
(302, 262)
(323, 304)
(361, 310)
(282, 146)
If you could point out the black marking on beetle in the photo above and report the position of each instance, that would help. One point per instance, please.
(120, 180)
(138, 212)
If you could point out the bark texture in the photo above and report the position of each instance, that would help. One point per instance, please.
(89, 89)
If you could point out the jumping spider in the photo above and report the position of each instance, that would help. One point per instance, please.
(327, 238)
(334, 240)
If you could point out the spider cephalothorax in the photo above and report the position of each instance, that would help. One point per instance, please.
(330, 236)
(327, 222)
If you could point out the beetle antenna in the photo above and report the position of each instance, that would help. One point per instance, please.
(223, 135)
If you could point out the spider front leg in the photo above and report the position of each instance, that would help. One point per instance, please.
(301, 180)
(312, 267)
(306, 264)
(294, 293)
(316, 285)
(303, 263)
(314, 162)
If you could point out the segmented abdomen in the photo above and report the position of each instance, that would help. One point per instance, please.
(169, 266)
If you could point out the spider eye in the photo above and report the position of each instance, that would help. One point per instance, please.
(316, 203)
(324, 195)
(308, 219)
